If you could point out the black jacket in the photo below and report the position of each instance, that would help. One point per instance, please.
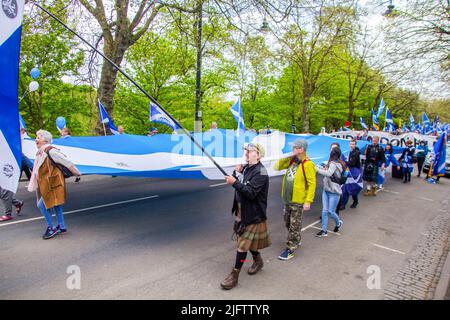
(375, 154)
(252, 193)
(354, 158)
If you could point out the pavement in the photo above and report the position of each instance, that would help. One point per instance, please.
(132, 238)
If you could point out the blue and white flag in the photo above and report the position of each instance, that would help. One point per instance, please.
(159, 116)
(236, 110)
(11, 13)
(105, 119)
(412, 126)
(426, 124)
(375, 123)
(440, 155)
(380, 108)
(389, 122)
(22, 123)
(363, 124)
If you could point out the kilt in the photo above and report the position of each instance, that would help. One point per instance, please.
(370, 175)
(255, 237)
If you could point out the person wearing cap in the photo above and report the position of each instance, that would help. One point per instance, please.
(153, 131)
(251, 184)
(421, 153)
(406, 159)
(297, 191)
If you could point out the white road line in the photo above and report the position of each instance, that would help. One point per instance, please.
(219, 184)
(337, 233)
(394, 192)
(386, 248)
(427, 199)
(84, 209)
(311, 225)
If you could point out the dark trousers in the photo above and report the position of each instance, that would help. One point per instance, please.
(346, 196)
(420, 161)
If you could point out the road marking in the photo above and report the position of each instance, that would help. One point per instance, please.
(219, 184)
(427, 199)
(386, 248)
(394, 192)
(311, 225)
(84, 209)
(337, 233)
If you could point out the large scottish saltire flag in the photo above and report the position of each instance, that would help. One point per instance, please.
(10, 148)
(105, 119)
(159, 116)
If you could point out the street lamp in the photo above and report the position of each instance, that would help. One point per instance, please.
(390, 12)
(265, 26)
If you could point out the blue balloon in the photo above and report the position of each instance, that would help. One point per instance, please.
(60, 123)
(35, 72)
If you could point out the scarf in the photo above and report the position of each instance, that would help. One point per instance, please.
(40, 157)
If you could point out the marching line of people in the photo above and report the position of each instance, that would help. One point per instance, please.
(342, 178)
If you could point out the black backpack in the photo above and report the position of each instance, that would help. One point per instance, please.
(341, 180)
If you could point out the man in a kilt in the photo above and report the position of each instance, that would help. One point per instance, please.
(374, 154)
(251, 184)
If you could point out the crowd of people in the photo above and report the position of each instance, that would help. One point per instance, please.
(343, 177)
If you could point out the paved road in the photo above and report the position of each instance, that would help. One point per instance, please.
(171, 239)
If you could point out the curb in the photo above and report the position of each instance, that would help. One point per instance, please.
(444, 282)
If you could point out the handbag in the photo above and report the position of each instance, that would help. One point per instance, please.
(65, 171)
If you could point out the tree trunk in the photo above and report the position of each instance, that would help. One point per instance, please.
(351, 110)
(305, 111)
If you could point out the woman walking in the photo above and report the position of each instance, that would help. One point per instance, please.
(332, 191)
(48, 182)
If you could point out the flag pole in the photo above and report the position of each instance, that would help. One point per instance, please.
(104, 129)
(137, 85)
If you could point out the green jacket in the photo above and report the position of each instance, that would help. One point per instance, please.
(300, 194)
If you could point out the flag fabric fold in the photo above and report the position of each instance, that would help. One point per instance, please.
(105, 119)
(159, 116)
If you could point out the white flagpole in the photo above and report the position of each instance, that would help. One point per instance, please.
(104, 129)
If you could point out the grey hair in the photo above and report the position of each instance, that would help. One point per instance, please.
(45, 135)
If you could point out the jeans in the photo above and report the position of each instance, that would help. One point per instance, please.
(47, 213)
(346, 196)
(329, 203)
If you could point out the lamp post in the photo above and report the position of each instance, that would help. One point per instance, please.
(389, 13)
(198, 78)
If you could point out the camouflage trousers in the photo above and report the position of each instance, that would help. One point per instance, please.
(293, 214)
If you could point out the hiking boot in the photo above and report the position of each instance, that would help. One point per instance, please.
(232, 280)
(257, 265)
(354, 205)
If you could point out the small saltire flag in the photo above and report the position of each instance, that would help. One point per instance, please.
(425, 120)
(22, 123)
(375, 123)
(380, 108)
(159, 116)
(363, 124)
(236, 110)
(105, 119)
(389, 122)
(411, 123)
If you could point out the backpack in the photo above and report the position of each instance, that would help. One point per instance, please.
(65, 171)
(341, 180)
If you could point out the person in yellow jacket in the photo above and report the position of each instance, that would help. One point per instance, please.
(297, 191)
